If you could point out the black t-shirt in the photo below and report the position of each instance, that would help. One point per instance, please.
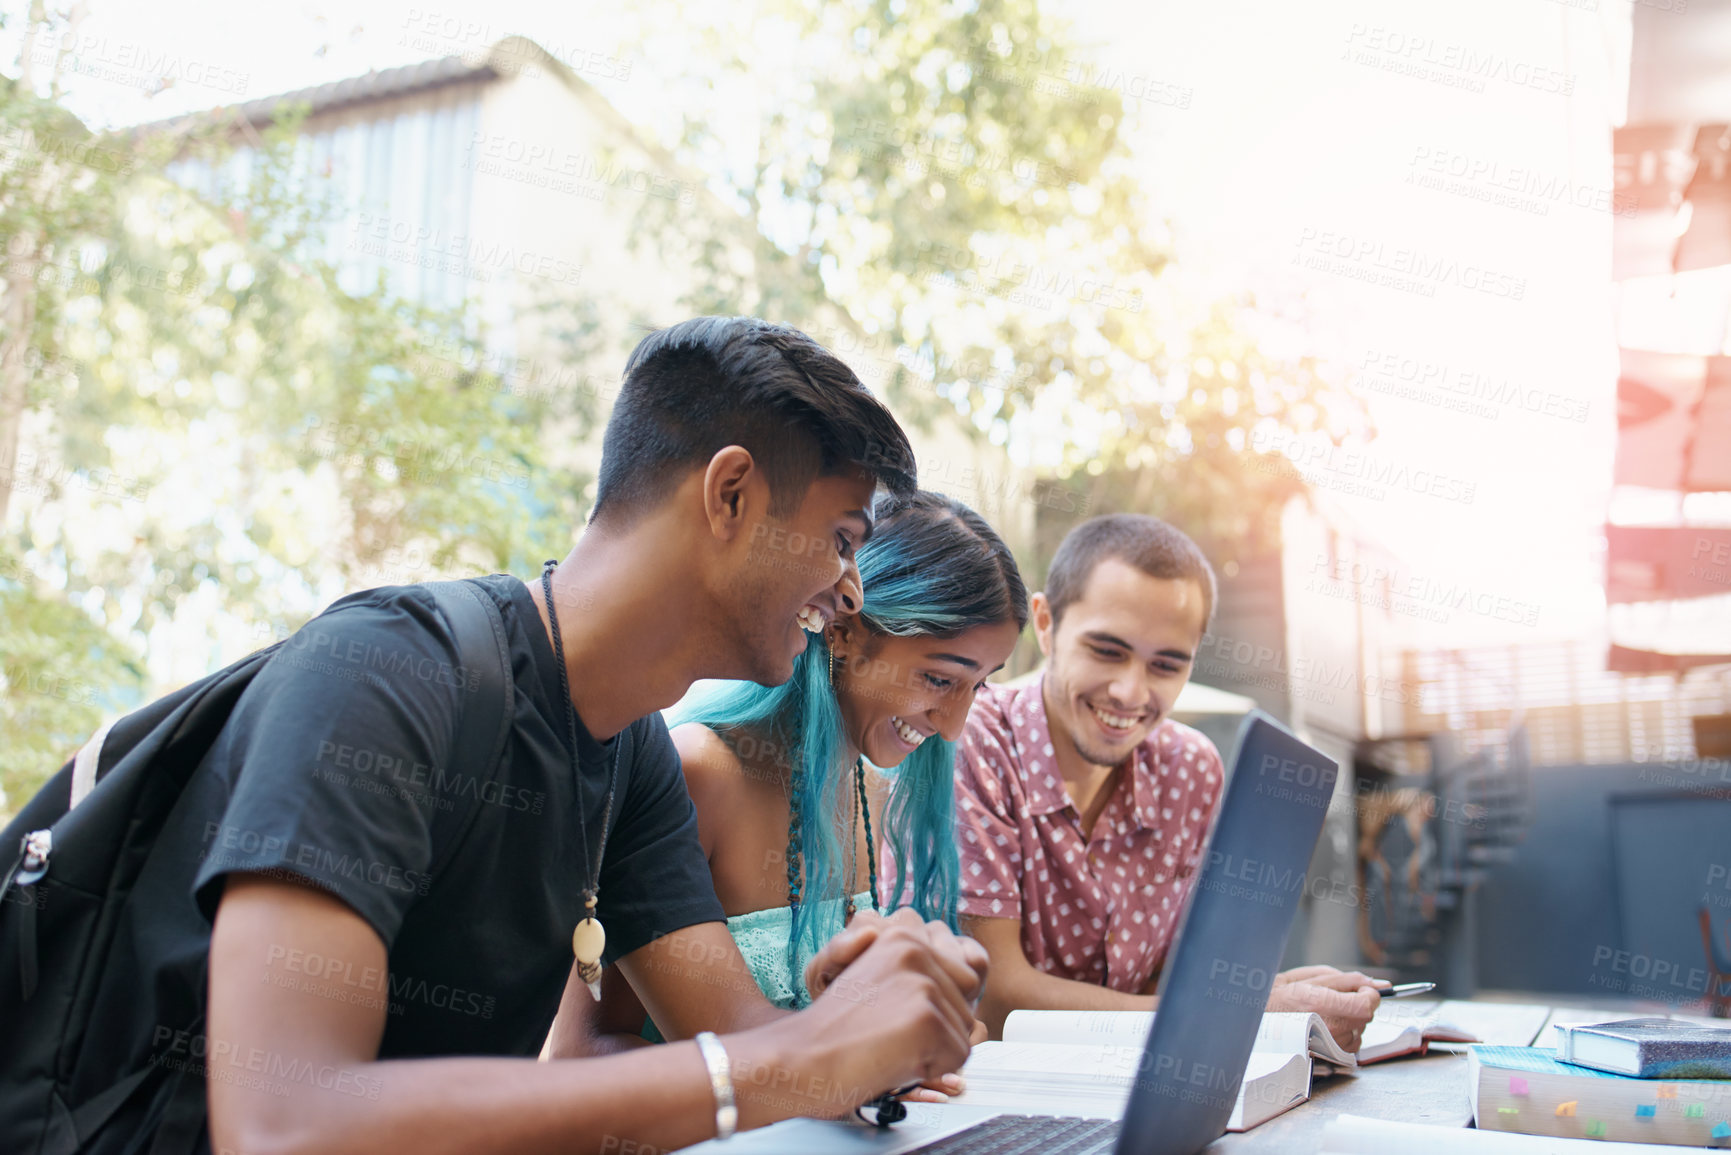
(334, 768)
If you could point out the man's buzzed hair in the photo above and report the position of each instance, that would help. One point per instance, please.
(694, 388)
(1155, 547)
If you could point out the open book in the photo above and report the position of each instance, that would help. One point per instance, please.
(1281, 1032)
(1409, 1028)
(1085, 1062)
(1396, 1030)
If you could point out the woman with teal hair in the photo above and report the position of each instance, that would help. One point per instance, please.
(799, 788)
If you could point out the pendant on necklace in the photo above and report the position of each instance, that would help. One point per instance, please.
(587, 943)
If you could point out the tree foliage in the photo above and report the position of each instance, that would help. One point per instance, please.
(957, 177)
(198, 424)
(208, 424)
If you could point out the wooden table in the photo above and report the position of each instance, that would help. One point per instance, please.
(1429, 1090)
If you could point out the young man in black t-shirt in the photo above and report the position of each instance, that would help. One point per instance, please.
(359, 997)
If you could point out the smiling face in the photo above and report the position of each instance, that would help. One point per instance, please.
(1117, 661)
(896, 692)
(798, 572)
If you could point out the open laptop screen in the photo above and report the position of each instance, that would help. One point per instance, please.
(1214, 987)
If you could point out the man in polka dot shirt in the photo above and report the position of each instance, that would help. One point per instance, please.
(1083, 807)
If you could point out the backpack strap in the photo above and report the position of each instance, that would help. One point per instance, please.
(69, 1130)
(180, 1124)
(485, 721)
(183, 1122)
(84, 765)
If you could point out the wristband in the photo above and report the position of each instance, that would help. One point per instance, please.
(720, 1082)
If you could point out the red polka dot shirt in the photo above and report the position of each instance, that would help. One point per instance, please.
(1099, 909)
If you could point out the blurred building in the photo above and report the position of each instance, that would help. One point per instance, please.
(1547, 816)
(1668, 541)
(506, 186)
(1511, 816)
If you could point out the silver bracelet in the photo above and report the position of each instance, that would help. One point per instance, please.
(720, 1082)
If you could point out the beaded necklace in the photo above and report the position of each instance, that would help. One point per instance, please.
(588, 939)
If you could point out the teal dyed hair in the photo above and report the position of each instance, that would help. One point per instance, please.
(932, 567)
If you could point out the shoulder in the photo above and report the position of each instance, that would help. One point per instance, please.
(650, 741)
(710, 765)
(989, 736)
(393, 641)
(406, 614)
(1190, 752)
(992, 704)
(988, 727)
(383, 600)
(714, 778)
(986, 763)
(701, 749)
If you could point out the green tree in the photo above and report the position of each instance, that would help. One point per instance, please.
(955, 176)
(197, 416)
(1191, 441)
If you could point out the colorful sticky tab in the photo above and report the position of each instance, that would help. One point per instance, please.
(1517, 1085)
(1722, 1130)
(1695, 1111)
(1567, 1109)
(1595, 1128)
(1646, 1110)
(1667, 1091)
(1508, 1110)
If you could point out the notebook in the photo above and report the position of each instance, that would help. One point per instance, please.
(1526, 1089)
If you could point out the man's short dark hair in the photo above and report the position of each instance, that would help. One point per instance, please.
(1153, 546)
(694, 388)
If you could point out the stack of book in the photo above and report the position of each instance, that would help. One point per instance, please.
(1647, 1080)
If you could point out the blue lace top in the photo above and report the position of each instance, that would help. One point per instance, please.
(762, 939)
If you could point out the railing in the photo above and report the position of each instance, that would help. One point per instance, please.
(1575, 712)
(1432, 822)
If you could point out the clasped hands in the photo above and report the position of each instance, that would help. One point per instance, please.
(898, 987)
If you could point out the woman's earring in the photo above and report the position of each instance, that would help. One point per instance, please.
(831, 650)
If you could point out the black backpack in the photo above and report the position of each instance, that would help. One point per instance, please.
(75, 850)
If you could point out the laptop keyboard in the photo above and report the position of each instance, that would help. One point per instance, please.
(1033, 1134)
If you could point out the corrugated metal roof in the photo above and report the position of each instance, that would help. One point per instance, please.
(371, 86)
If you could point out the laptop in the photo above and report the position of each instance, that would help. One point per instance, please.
(1213, 991)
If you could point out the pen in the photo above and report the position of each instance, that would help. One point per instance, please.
(1405, 990)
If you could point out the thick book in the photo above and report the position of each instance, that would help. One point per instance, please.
(1086, 1062)
(1357, 1135)
(1562, 1017)
(1527, 1089)
(1649, 1048)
